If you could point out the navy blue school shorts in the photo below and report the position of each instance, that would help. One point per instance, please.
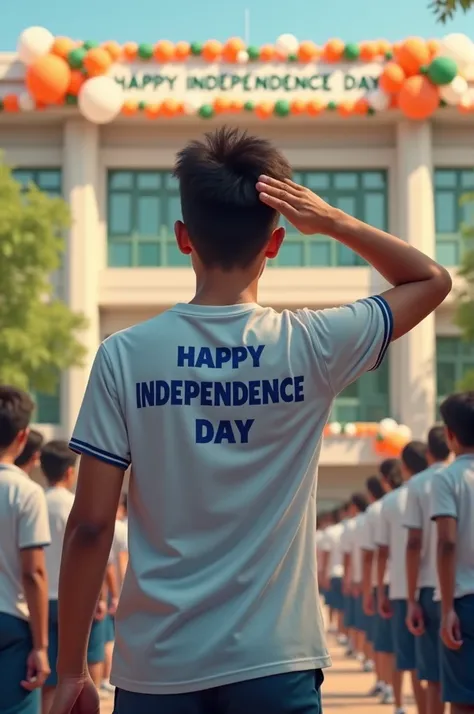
(337, 598)
(349, 611)
(457, 673)
(289, 693)
(109, 628)
(383, 636)
(403, 640)
(427, 645)
(15, 646)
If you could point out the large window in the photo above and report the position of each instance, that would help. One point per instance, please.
(454, 359)
(367, 399)
(451, 185)
(48, 406)
(143, 206)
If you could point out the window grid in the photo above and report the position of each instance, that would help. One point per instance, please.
(367, 399)
(454, 359)
(451, 213)
(49, 180)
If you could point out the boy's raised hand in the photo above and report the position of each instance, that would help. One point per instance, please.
(300, 206)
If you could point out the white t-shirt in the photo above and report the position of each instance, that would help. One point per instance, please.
(332, 545)
(59, 501)
(368, 537)
(356, 551)
(392, 533)
(221, 411)
(418, 516)
(23, 524)
(452, 494)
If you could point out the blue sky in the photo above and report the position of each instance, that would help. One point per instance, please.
(150, 20)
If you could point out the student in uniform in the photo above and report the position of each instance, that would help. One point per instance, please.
(354, 565)
(220, 404)
(392, 539)
(24, 533)
(423, 616)
(332, 570)
(452, 507)
(349, 618)
(29, 458)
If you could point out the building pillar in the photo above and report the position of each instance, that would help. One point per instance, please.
(82, 259)
(415, 374)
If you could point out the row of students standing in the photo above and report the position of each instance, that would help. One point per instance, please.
(396, 567)
(32, 526)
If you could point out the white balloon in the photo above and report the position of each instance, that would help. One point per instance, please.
(33, 43)
(459, 48)
(100, 99)
(378, 100)
(335, 428)
(404, 431)
(452, 92)
(350, 429)
(468, 73)
(387, 426)
(26, 102)
(242, 57)
(191, 107)
(287, 45)
(467, 100)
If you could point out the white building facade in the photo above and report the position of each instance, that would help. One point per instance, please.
(122, 266)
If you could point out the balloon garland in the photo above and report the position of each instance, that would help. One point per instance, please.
(417, 76)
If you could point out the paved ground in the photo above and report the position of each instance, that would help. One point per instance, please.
(344, 690)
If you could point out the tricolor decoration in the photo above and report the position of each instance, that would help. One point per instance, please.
(388, 437)
(416, 76)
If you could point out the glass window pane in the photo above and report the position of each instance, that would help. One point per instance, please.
(149, 255)
(345, 412)
(448, 347)
(467, 179)
(374, 208)
(446, 378)
(120, 214)
(447, 252)
(48, 408)
(345, 256)
(147, 180)
(446, 203)
(467, 350)
(346, 204)
(373, 179)
(445, 178)
(174, 257)
(49, 180)
(320, 253)
(291, 254)
(171, 182)
(120, 255)
(467, 210)
(23, 176)
(148, 216)
(317, 180)
(120, 180)
(345, 180)
(173, 211)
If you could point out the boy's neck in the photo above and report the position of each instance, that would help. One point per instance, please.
(217, 288)
(465, 451)
(7, 458)
(59, 484)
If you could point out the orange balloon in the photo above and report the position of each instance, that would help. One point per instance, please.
(368, 51)
(393, 102)
(384, 46)
(182, 50)
(361, 106)
(97, 62)
(232, 48)
(392, 78)
(298, 106)
(315, 107)
(129, 108)
(114, 49)
(267, 53)
(76, 82)
(152, 111)
(236, 106)
(47, 79)
(307, 51)
(62, 46)
(164, 51)
(264, 110)
(333, 50)
(221, 105)
(412, 55)
(211, 50)
(418, 98)
(11, 103)
(130, 50)
(433, 47)
(170, 107)
(345, 109)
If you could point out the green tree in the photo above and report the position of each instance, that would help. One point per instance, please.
(446, 9)
(465, 296)
(37, 330)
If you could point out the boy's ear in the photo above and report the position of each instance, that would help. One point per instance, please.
(273, 245)
(182, 238)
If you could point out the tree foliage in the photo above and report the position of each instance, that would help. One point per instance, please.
(37, 330)
(465, 296)
(445, 10)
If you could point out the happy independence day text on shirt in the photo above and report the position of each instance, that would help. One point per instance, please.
(179, 392)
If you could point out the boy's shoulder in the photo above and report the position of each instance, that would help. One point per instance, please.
(24, 487)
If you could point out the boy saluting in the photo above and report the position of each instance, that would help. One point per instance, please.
(220, 406)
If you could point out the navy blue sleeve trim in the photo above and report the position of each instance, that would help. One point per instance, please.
(82, 447)
(443, 515)
(388, 327)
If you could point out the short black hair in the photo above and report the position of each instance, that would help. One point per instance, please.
(457, 412)
(414, 456)
(56, 458)
(437, 443)
(34, 442)
(226, 221)
(360, 501)
(374, 487)
(16, 409)
(391, 470)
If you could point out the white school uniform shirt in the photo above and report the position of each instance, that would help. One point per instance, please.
(356, 550)
(221, 411)
(332, 545)
(452, 494)
(418, 516)
(59, 501)
(119, 545)
(368, 540)
(23, 524)
(392, 533)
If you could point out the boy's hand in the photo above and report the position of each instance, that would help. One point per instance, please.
(76, 694)
(37, 670)
(368, 604)
(101, 610)
(451, 631)
(385, 607)
(300, 206)
(414, 619)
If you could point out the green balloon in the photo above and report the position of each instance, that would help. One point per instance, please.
(249, 106)
(141, 106)
(389, 55)
(282, 108)
(90, 44)
(442, 70)
(371, 111)
(196, 48)
(145, 51)
(76, 57)
(206, 111)
(70, 100)
(351, 51)
(292, 58)
(332, 106)
(253, 53)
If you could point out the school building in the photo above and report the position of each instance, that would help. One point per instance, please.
(122, 265)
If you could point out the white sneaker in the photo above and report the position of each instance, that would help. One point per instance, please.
(377, 689)
(107, 687)
(387, 696)
(400, 710)
(342, 640)
(360, 657)
(369, 666)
